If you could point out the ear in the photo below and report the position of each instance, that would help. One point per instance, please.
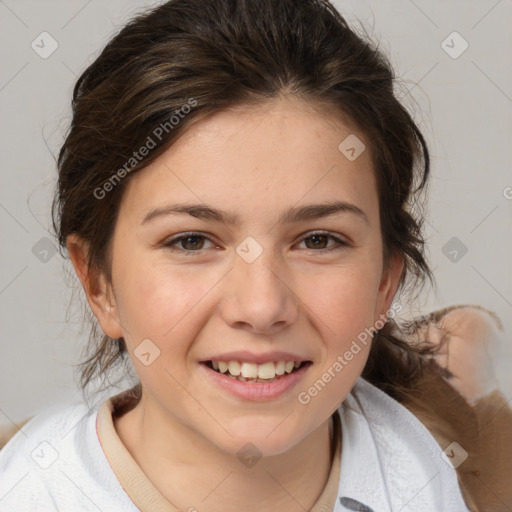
(99, 292)
(389, 284)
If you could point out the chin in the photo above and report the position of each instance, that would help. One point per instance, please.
(263, 438)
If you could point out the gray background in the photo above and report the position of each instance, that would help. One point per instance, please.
(463, 105)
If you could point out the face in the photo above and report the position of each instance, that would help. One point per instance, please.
(249, 272)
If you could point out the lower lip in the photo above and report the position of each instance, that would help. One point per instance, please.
(256, 390)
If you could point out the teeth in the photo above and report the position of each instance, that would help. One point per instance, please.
(266, 371)
(249, 370)
(234, 368)
(246, 371)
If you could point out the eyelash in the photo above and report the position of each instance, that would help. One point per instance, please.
(170, 243)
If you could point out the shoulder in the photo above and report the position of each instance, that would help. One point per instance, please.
(385, 434)
(49, 425)
(56, 462)
(27, 458)
(386, 415)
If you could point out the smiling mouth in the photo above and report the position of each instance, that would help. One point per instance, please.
(241, 378)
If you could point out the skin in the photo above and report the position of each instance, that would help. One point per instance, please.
(257, 163)
(470, 336)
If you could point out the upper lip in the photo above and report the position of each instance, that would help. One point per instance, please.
(249, 357)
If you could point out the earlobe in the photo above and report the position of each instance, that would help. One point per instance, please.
(98, 291)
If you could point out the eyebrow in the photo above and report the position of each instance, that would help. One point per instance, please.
(295, 214)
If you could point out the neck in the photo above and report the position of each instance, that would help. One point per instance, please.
(170, 454)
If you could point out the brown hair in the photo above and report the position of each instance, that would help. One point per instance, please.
(172, 66)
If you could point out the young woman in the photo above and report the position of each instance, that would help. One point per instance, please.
(234, 194)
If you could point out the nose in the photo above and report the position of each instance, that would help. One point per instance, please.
(258, 296)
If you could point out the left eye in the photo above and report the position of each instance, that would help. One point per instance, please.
(319, 239)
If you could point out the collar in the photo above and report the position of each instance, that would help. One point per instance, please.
(389, 460)
(142, 492)
(362, 487)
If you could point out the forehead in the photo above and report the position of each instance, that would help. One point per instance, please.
(257, 159)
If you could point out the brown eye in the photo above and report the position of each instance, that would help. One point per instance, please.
(190, 243)
(319, 241)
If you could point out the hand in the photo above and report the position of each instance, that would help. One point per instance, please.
(468, 336)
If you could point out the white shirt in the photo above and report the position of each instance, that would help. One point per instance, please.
(389, 462)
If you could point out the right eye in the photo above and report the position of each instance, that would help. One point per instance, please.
(194, 241)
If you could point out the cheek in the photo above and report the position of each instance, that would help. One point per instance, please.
(343, 300)
(343, 313)
(162, 306)
(156, 301)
